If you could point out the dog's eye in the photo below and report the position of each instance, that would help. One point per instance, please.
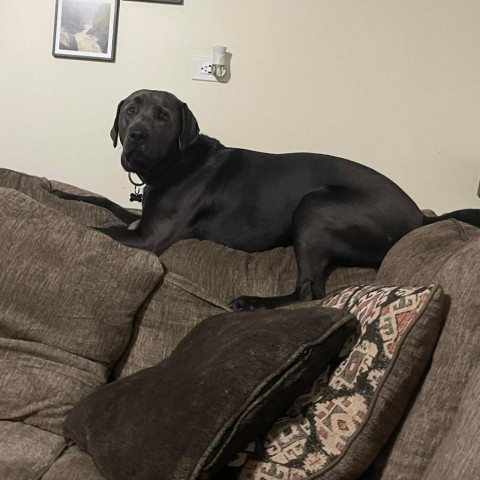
(163, 115)
(130, 110)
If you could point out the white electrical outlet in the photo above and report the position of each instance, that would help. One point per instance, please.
(202, 69)
(206, 68)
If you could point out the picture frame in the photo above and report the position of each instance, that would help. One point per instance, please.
(86, 29)
(175, 2)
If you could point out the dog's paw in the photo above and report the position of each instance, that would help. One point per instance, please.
(246, 304)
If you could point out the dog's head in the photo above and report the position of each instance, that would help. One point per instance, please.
(153, 127)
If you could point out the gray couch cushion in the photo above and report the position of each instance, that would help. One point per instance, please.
(68, 295)
(26, 452)
(73, 465)
(458, 456)
(202, 278)
(447, 253)
(39, 189)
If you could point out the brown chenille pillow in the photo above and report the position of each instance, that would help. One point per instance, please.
(224, 384)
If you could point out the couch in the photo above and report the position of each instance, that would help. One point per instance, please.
(82, 317)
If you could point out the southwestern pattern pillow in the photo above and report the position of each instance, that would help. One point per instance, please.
(336, 429)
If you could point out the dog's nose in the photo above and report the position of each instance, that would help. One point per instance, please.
(138, 135)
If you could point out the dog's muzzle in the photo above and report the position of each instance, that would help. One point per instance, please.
(135, 151)
(137, 136)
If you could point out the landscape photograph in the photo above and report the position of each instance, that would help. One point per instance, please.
(85, 27)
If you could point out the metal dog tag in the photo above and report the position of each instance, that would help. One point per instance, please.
(136, 196)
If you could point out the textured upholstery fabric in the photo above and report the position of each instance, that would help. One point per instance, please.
(458, 456)
(334, 431)
(202, 278)
(447, 253)
(39, 188)
(227, 381)
(173, 309)
(68, 295)
(228, 273)
(26, 451)
(439, 437)
(73, 465)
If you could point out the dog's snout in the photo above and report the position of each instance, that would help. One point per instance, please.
(138, 135)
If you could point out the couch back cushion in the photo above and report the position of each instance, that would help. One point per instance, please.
(447, 253)
(39, 189)
(202, 278)
(68, 295)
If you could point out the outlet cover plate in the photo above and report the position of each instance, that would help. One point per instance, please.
(201, 67)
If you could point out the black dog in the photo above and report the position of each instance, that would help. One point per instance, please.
(333, 211)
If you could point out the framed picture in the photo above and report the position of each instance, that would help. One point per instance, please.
(178, 2)
(86, 29)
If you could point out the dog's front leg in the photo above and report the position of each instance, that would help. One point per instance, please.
(123, 214)
(155, 240)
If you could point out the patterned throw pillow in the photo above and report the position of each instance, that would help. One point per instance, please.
(335, 430)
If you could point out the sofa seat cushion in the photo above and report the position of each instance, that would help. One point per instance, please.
(68, 296)
(73, 464)
(202, 278)
(225, 382)
(335, 430)
(26, 452)
(447, 253)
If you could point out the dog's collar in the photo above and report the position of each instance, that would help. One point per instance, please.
(137, 195)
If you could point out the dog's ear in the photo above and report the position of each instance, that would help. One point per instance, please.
(114, 130)
(190, 130)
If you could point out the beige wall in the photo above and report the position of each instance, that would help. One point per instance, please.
(392, 84)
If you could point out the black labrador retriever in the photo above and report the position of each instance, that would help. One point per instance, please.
(333, 211)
